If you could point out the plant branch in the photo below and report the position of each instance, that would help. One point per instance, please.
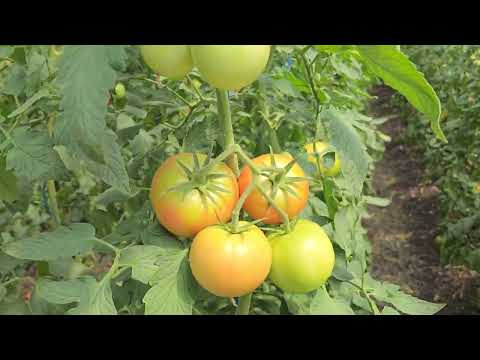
(240, 202)
(282, 213)
(244, 304)
(225, 119)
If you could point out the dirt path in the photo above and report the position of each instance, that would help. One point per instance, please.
(402, 234)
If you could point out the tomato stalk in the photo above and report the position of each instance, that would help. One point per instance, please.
(282, 213)
(240, 202)
(225, 118)
(244, 304)
(52, 192)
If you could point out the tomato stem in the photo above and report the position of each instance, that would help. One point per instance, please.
(52, 192)
(244, 304)
(225, 119)
(282, 213)
(240, 202)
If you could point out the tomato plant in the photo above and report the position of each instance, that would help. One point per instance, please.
(96, 192)
(186, 199)
(303, 259)
(230, 264)
(230, 67)
(285, 184)
(171, 61)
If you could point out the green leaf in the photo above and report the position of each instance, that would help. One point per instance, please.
(15, 81)
(333, 48)
(113, 171)
(109, 196)
(372, 200)
(37, 71)
(142, 259)
(345, 219)
(8, 183)
(62, 292)
(93, 298)
(394, 68)
(63, 242)
(171, 293)
(33, 157)
(298, 304)
(156, 235)
(387, 310)
(29, 103)
(323, 304)
(8, 263)
(96, 299)
(85, 75)
(352, 151)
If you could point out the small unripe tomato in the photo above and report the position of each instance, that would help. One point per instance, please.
(171, 61)
(120, 90)
(321, 147)
(303, 259)
(228, 264)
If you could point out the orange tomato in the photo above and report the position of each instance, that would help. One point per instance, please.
(257, 206)
(230, 265)
(184, 212)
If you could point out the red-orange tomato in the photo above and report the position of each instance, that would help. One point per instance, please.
(257, 206)
(230, 265)
(185, 214)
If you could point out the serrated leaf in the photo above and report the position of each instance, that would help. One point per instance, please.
(113, 171)
(37, 71)
(298, 304)
(171, 292)
(387, 310)
(8, 183)
(33, 157)
(408, 304)
(142, 143)
(156, 235)
(142, 259)
(85, 75)
(352, 151)
(396, 70)
(62, 292)
(109, 196)
(29, 103)
(61, 243)
(15, 81)
(372, 200)
(345, 219)
(333, 48)
(8, 263)
(323, 304)
(96, 299)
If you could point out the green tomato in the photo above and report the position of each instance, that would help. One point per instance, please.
(230, 67)
(120, 90)
(303, 259)
(171, 61)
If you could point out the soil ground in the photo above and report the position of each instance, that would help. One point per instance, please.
(402, 234)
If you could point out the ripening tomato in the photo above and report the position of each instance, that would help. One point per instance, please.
(228, 264)
(230, 67)
(185, 209)
(321, 147)
(303, 259)
(292, 194)
(171, 61)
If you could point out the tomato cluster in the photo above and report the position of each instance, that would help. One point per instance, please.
(199, 198)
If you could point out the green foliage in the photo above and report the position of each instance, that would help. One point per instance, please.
(61, 126)
(454, 167)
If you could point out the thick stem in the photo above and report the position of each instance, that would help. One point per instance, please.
(52, 197)
(247, 161)
(244, 304)
(274, 140)
(52, 192)
(240, 202)
(225, 119)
